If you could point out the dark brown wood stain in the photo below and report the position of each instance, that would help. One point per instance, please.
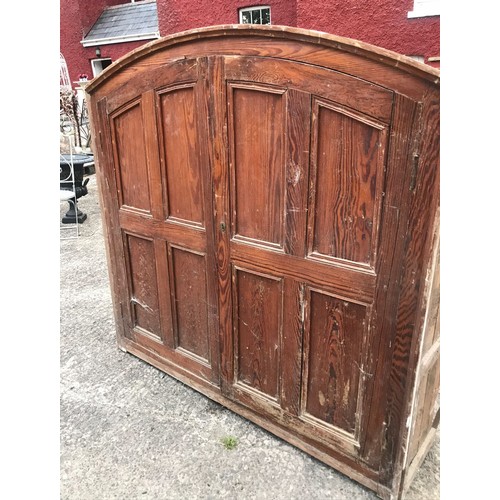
(270, 198)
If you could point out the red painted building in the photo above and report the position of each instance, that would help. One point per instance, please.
(96, 32)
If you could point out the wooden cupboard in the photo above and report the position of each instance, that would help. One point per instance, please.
(270, 197)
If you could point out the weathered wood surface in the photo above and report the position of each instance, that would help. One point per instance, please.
(270, 232)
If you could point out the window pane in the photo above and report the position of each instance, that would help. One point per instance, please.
(256, 17)
(245, 18)
(266, 16)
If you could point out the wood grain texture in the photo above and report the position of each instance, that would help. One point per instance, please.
(148, 106)
(343, 89)
(257, 131)
(203, 103)
(258, 329)
(191, 302)
(348, 156)
(159, 77)
(395, 215)
(144, 294)
(422, 237)
(130, 158)
(164, 285)
(348, 56)
(388, 266)
(352, 284)
(285, 225)
(182, 154)
(190, 329)
(297, 170)
(221, 181)
(108, 196)
(426, 408)
(432, 332)
(284, 428)
(333, 360)
(176, 232)
(291, 345)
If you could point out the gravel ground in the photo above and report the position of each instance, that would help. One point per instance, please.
(129, 431)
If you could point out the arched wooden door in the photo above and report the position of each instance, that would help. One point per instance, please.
(257, 188)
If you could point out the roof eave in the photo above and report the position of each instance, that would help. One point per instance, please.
(120, 39)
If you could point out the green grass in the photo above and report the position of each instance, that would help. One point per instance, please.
(229, 442)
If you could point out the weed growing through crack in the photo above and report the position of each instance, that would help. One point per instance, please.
(229, 442)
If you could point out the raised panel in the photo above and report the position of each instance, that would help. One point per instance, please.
(257, 123)
(346, 184)
(182, 154)
(334, 340)
(189, 271)
(143, 282)
(258, 322)
(130, 158)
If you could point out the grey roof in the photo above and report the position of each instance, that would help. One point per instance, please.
(130, 20)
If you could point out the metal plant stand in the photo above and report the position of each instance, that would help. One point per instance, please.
(71, 179)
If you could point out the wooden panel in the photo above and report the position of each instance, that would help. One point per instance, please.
(291, 352)
(426, 408)
(143, 283)
(258, 319)
(320, 293)
(347, 159)
(176, 232)
(344, 89)
(347, 56)
(221, 180)
(334, 341)
(168, 73)
(182, 162)
(297, 173)
(358, 285)
(130, 158)
(389, 267)
(257, 123)
(431, 329)
(149, 118)
(423, 209)
(191, 302)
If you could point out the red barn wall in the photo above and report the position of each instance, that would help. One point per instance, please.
(383, 23)
(186, 14)
(180, 15)
(76, 19)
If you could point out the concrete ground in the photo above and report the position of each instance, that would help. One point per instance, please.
(129, 431)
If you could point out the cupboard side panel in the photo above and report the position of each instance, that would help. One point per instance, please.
(422, 237)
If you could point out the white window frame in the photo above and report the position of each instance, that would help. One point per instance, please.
(425, 8)
(250, 9)
(96, 71)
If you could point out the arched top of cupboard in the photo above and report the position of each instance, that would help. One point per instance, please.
(368, 62)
